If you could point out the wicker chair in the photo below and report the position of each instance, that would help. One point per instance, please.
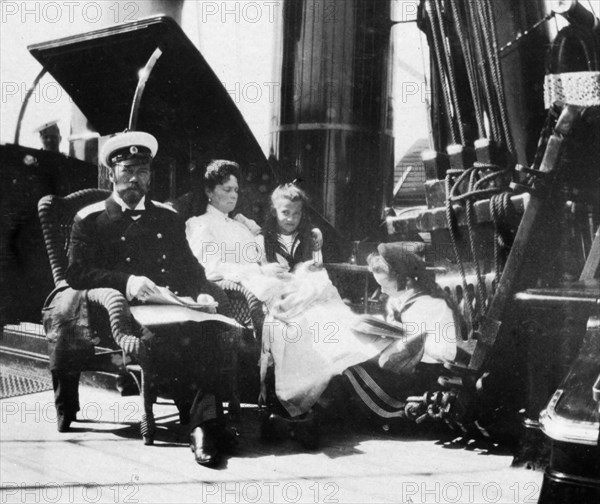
(56, 217)
(247, 309)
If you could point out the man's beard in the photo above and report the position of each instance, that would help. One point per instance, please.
(132, 195)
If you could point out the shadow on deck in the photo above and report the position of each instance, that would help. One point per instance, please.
(104, 460)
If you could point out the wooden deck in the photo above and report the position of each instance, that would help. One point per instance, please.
(104, 460)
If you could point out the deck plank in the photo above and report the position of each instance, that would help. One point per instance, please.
(104, 460)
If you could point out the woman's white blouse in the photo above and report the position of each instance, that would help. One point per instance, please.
(226, 248)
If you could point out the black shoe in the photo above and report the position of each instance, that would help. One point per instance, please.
(306, 432)
(227, 439)
(203, 445)
(273, 428)
(63, 421)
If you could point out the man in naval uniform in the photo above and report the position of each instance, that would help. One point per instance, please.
(133, 244)
(50, 136)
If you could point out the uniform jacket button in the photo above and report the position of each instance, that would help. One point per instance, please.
(128, 259)
(122, 238)
(159, 236)
(163, 270)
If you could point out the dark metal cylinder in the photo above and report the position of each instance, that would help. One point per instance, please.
(332, 125)
(523, 71)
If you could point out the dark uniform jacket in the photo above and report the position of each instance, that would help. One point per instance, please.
(107, 247)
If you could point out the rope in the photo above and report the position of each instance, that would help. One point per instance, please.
(480, 291)
(451, 218)
(488, 50)
(436, 43)
(473, 21)
(463, 37)
(450, 67)
(499, 210)
(468, 198)
(499, 85)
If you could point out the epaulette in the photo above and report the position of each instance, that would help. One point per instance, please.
(90, 209)
(163, 205)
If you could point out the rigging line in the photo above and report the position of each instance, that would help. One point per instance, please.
(500, 83)
(452, 231)
(451, 71)
(486, 27)
(530, 30)
(480, 291)
(469, 66)
(474, 22)
(440, 69)
(491, 91)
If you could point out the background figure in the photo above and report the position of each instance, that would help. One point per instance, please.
(50, 136)
(133, 244)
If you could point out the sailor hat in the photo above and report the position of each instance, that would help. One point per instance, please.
(49, 128)
(130, 147)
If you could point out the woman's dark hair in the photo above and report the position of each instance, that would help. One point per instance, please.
(218, 172)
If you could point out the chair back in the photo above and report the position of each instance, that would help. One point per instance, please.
(56, 217)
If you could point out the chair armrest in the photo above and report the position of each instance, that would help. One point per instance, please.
(125, 330)
(255, 306)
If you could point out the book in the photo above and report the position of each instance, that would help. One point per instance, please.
(375, 326)
(163, 296)
(160, 315)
